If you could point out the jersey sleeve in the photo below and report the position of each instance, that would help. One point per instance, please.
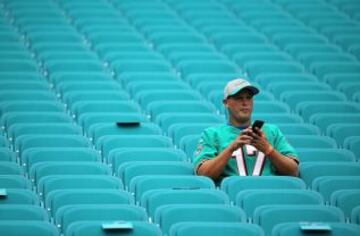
(283, 146)
(206, 148)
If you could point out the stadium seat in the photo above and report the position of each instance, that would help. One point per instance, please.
(352, 143)
(355, 215)
(323, 154)
(28, 228)
(107, 212)
(269, 216)
(23, 212)
(58, 182)
(341, 131)
(168, 215)
(141, 184)
(153, 199)
(19, 196)
(119, 157)
(214, 228)
(311, 141)
(346, 200)
(14, 182)
(32, 156)
(57, 199)
(324, 120)
(311, 170)
(249, 200)
(327, 185)
(95, 228)
(235, 184)
(130, 170)
(10, 168)
(336, 229)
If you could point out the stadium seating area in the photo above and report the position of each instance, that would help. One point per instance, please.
(102, 103)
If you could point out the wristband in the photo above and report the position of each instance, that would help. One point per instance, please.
(269, 151)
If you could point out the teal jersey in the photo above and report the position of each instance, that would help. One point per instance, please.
(215, 139)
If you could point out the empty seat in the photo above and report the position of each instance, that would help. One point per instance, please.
(299, 129)
(34, 117)
(341, 131)
(14, 181)
(153, 199)
(336, 229)
(352, 143)
(30, 141)
(10, 168)
(168, 215)
(324, 120)
(112, 142)
(95, 228)
(130, 170)
(6, 154)
(311, 170)
(43, 169)
(56, 182)
(235, 184)
(214, 228)
(346, 200)
(250, 199)
(60, 198)
(35, 155)
(27, 228)
(311, 141)
(107, 212)
(323, 154)
(270, 215)
(22, 212)
(119, 157)
(19, 196)
(157, 108)
(141, 184)
(99, 130)
(355, 215)
(31, 106)
(327, 185)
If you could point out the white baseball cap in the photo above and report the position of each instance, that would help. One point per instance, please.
(236, 85)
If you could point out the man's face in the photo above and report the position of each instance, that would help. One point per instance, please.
(240, 106)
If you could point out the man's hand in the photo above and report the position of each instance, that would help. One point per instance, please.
(243, 139)
(258, 140)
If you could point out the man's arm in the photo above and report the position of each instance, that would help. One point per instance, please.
(284, 165)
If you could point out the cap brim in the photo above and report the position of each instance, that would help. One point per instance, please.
(252, 89)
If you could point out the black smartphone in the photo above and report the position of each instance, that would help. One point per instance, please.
(257, 124)
(127, 123)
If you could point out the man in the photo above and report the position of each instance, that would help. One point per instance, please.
(235, 149)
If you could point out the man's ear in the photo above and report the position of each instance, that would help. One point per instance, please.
(225, 102)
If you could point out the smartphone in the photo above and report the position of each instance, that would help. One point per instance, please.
(127, 123)
(257, 124)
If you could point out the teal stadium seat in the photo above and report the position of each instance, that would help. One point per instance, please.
(352, 144)
(6, 154)
(10, 168)
(337, 229)
(125, 155)
(234, 184)
(32, 156)
(19, 196)
(168, 215)
(130, 170)
(309, 171)
(212, 229)
(153, 199)
(57, 182)
(107, 212)
(250, 200)
(323, 154)
(327, 185)
(346, 200)
(14, 182)
(141, 184)
(268, 216)
(42, 169)
(27, 228)
(23, 212)
(94, 228)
